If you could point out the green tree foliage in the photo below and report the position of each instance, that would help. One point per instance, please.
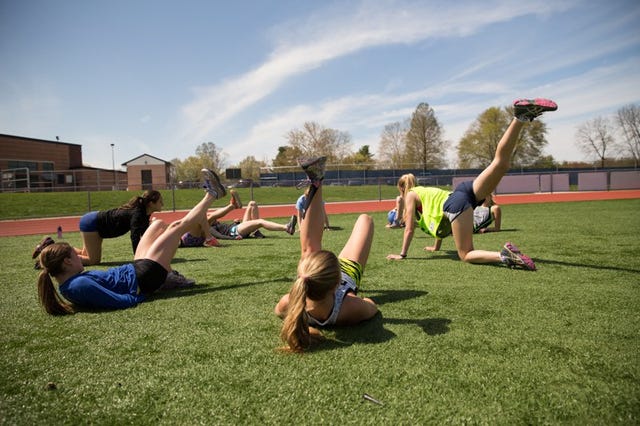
(250, 168)
(287, 156)
(478, 146)
(361, 160)
(424, 142)
(207, 155)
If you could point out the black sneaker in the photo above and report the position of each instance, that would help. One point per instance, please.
(314, 168)
(176, 280)
(212, 184)
(528, 109)
(291, 226)
(258, 234)
(46, 241)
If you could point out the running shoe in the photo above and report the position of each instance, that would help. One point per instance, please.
(235, 199)
(212, 184)
(176, 280)
(528, 109)
(314, 168)
(291, 226)
(46, 241)
(513, 258)
(258, 234)
(211, 242)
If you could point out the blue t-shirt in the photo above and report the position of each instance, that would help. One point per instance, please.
(115, 288)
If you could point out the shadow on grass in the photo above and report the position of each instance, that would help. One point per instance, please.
(367, 332)
(204, 288)
(382, 297)
(431, 326)
(584, 265)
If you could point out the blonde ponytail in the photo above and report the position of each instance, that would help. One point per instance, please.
(318, 274)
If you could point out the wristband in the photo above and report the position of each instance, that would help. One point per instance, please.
(403, 255)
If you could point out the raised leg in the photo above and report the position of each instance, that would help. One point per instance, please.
(359, 243)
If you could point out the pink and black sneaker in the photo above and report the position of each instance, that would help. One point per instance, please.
(513, 257)
(528, 109)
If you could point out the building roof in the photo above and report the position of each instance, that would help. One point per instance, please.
(141, 158)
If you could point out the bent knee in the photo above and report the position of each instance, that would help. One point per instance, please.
(464, 256)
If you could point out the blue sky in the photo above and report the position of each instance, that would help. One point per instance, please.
(162, 77)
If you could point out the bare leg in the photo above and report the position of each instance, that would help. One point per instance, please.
(219, 213)
(488, 180)
(312, 227)
(252, 212)
(462, 229)
(247, 227)
(497, 217)
(91, 248)
(163, 248)
(359, 244)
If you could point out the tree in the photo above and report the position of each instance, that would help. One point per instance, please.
(424, 139)
(212, 157)
(315, 140)
(628, 120)
(250, 167)
(595, 138)
(361, 159)
(477, 148)
(391, 150)
(286, 156)
(207, 155)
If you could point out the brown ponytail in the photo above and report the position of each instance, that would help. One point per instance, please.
(147, 197)
(318, 274)
(51, 259)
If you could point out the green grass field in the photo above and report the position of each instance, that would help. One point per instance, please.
(454, 344)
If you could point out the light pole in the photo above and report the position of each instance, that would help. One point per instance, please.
(113, 165)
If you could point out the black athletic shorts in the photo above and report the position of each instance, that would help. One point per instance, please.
(461, 199)
(151, 275)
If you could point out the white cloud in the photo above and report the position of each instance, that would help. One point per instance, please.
(331, 34)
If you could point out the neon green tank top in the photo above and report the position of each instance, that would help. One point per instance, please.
(430, 218)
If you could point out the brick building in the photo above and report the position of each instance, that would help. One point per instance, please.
(29, 164)
(147, 172)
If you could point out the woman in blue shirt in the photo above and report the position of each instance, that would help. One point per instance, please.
(123, 286)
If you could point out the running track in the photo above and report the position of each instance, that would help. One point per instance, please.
(70, 223)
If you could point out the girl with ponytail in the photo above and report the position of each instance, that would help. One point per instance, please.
(134, 217)
(123, 286)
(324, 292)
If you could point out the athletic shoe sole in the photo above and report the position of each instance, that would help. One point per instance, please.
(517, 258)
(528, 109)
(212, 184)
(235, 199)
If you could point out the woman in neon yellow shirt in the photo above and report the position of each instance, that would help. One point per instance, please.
(440, 213)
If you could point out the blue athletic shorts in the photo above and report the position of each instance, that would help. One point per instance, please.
(461, 199)
(391, 216)
(89, 222)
